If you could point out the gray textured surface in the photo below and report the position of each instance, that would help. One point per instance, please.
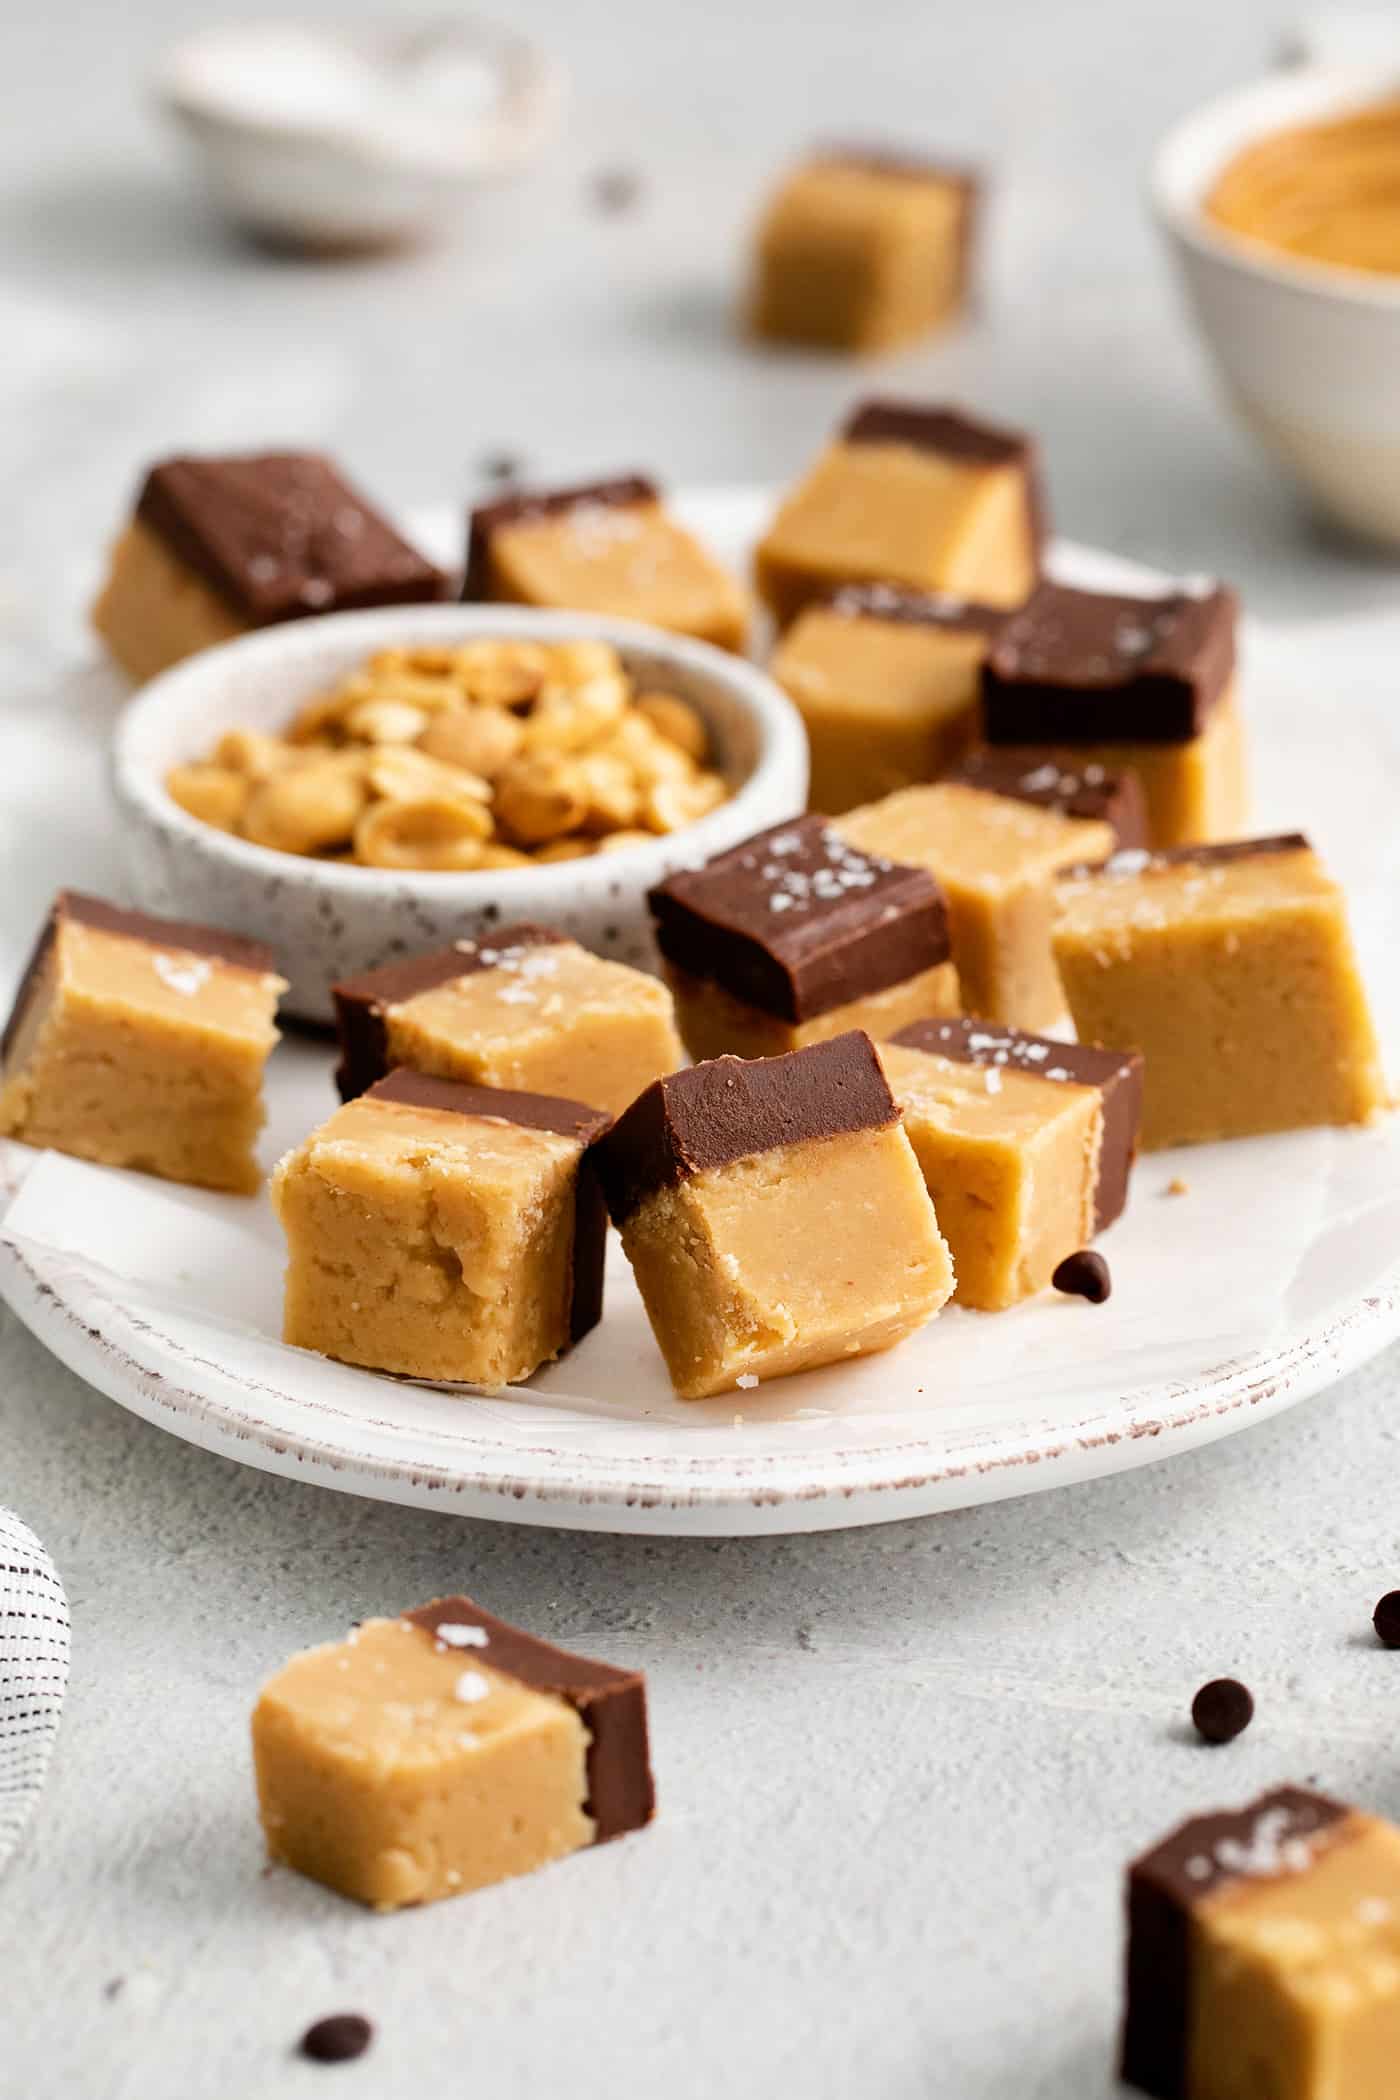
(899, 1769)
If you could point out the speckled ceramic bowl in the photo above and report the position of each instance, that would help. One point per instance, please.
(326, 920)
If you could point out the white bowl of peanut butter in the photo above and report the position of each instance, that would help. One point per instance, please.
(1281, 205)
(328, 918)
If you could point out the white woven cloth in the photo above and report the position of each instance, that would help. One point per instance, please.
(34, 1641)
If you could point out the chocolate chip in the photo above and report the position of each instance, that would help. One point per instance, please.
(1386, 1620)
(501, 466)
(1222, 1710)
(616, 189)
(338, 2038)
(1084, 1275)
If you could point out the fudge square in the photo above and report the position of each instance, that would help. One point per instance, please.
(795, 936)
(1146, 683)
(444, 1750)
(1231, 968)
(996, 858)
(444, 1231)
(888, 684)
(605, 547)
(923, 497)
(141, 1042)
(1061, 781)
(528, 1008)
(1264, 1955)
(218, 546)
(1026, 1146)
(861, 248)
(774, 1215)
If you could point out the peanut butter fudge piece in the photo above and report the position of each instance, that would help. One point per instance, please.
(1231, 968)
(444, 1231)
(219, 546)
(1025, 1144)
(1264, 1955)
(996, 858)
(795, 936)
(141, 1042)
(888, 683)
(1059, 780)
(606, 547)
(924, 497)
(444, 1750)
(774, 1215)
(862, 248)
(528, 1008)
(1145, 683)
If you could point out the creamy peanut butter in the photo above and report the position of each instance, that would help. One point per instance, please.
(1326, 192)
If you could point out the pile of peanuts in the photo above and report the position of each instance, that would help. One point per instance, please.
(492, 754)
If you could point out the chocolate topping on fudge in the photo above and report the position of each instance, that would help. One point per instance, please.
(1055, 780)
(281, 534)
(796, 921)
(1218, 854)
(571, 1119)
(180, 934)
(610, 1702)
(943, 430)
(891, 601)
(362, 1003)
(1274, 1836)
(1093, 667)
(1116, 1073)
(526, 506)
(734, 1108)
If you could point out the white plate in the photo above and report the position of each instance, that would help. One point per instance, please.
(1277, 1271)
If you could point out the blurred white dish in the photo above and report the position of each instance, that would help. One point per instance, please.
(332, 138)
(1308, 352)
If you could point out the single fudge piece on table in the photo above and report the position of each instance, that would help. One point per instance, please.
(774, 1215)
(1059, 780)
(923, 497)
(863, 248)
(444, 1231)
(888, 683)
(996, 858)
(439, 1752)
(604, 547)
(141, 1042)
(1143, 683)
(795, 936)
(219, 546)
(527, 1008)
(1264, 1955)
(1026, 1146)
(1231, 968)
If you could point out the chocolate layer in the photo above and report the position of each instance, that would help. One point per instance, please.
(181, 934)
(528, 505)
(1075, 667)
(282, 534)
(1050, 779)
(733, 1108)
(571, 1119)
(363, 1003)
(1270, 1837)
(889, 601)
(795, 921)
(611, 1703)
(1116, 1073)
(945, 431)
(1219, 854)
